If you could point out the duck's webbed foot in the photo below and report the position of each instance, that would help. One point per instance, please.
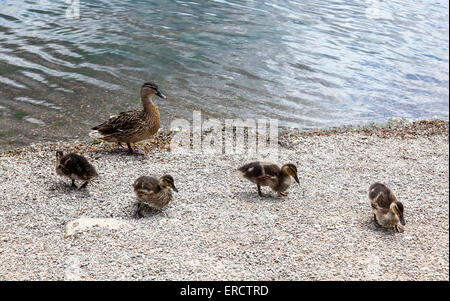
(376, 222)
(399, 229)
(260, 192)
(138, 214)
(134, 151)
(83, 185)
(281, 193)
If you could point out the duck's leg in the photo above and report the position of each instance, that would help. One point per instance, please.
(73, 183)
(130, 148)
(121, 145)
(259, 191)
(138, 214)
(398, 229)
(83, 185)
(134, 151)
(376, 222)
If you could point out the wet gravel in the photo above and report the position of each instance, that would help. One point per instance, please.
(217, 228)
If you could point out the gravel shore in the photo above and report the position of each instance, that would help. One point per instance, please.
(217, 228)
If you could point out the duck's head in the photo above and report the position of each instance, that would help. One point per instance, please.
(398, 209)
(290, 170)
(59, 155)
(149, 89)
(166, 181)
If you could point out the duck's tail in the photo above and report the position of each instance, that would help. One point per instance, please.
(237, 173)
(96, 134)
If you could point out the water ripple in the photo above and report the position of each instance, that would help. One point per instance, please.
(309, 63)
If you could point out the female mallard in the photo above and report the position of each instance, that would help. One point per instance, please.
(156, 193)
(387, 210)
(132, 126)
(75, 167)
(268, 174)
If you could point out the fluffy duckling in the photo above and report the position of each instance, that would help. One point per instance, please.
(75, 167)
(156, 193)
(387, 210)
(132, 126)
(268, 174)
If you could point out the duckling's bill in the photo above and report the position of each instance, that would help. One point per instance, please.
(400, 228)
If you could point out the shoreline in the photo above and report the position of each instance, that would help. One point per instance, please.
(217, 228)
(398, 127)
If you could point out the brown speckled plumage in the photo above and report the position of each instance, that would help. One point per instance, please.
(75, 167)
(132, 126)
(387, 210)
(269, 174)
(156, 193)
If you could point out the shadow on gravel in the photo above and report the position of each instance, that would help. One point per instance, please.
(146, 211)
(64, 188)
(371, 225)
(252, 196)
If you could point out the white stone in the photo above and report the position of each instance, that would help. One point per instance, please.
(82, 224)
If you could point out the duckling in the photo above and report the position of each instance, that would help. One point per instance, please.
(156, 193)
(387, 210)
(269, 174)
(75, 167)
(132, 126)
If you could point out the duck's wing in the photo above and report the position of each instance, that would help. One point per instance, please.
(70, 164)
(251, 170)
(270, 172)
(79, 165)
(119, 123)
(380, 202)
(271, 169)
(148, 184)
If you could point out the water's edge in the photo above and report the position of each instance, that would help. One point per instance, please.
(395, 127)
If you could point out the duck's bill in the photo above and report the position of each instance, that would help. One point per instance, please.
(296, 179)
(399, 228)
(160, 94)
(175, 189)
(402, 221)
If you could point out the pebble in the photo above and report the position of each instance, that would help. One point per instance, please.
(217, 228)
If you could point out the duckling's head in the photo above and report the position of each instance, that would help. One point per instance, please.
(290, 170)
(166, 181)
(59, 155)
(397, 208)
(149, 89)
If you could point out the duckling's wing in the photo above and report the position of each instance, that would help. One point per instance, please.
(380, 201)
(147, 183)
(119, 123)
(251, 170)
(271, 169)
(79, 165)
(270, 173)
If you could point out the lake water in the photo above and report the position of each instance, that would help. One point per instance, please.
(307, 63)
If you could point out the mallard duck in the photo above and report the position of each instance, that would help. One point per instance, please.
(387, 210)
(156, 193)
(132, 126)
(269, 174)
(75, 167)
